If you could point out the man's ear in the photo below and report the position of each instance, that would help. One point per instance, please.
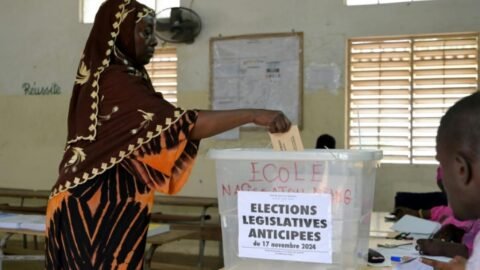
(463, 169)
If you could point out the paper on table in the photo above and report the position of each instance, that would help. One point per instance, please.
(411, 224)
(288, 141)
(413, 265)
(157, 228)
(407, 251)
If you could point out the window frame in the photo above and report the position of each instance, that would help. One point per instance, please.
(165, 80)
(159, 6)
(412, 157)
(381, 2)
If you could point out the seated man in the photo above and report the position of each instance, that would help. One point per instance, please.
(325, 141)
(454, 238)
(458, 151)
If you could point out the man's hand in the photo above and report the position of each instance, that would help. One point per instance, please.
(432, 247)
(457, 263)
(449, 233)
(437, 247)
(399, 212)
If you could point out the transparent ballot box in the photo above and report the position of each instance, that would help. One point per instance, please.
(347, 175)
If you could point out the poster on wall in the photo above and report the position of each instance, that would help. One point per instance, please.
(285, 226)
(263, 71)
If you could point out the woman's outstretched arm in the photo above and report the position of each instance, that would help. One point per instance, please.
(213, 122)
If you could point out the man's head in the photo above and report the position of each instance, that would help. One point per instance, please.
(458, 151)
(325, 141)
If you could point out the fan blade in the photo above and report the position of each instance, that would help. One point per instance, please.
(163, 25)
(182, 25)
(176, 16)
(183, 35)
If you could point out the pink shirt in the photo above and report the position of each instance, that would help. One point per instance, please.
(444, 215)
(473, 262)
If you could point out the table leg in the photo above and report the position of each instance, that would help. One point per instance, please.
(148, 256)
(3, 243)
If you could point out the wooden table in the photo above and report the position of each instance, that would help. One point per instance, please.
(379, 230)
(378, 224)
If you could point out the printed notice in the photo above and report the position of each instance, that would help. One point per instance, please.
(288, 141)
(285, 226)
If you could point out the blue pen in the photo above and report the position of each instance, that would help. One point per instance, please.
(396, 259)
(399, 259)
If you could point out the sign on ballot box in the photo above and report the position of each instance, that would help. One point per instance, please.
(285, 226)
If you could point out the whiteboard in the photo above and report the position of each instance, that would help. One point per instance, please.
(263, 71)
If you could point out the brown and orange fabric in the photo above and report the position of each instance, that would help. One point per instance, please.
(114, 108)
(124, 142)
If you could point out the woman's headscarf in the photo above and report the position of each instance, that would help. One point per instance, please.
(114, 108)
(113, 16)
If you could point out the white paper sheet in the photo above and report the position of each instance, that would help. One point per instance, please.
(288, 141)
(411, 224)
(406, 251)
(413, 265)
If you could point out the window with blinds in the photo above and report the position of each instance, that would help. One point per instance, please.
(399, 88)
(88, 8)
(377, 2)
(163, 72)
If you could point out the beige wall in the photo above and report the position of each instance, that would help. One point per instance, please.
(42, 42)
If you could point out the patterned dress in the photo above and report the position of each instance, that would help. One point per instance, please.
(102, 224)
(124, 142)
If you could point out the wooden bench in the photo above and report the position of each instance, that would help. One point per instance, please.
(23, 195)
(197, 223)
(161, 239)
(6, 235)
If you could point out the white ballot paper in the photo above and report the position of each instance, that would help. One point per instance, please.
(288, 141)
(415, 225)
(413, 265)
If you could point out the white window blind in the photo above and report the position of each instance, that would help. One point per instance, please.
(377, 2)
(163, 72)
(88, 8)
(398, 89)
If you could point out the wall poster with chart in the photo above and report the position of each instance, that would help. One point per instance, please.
(263, 71)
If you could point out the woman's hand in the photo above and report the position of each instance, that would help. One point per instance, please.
(213, 122)
(457, 263)
(275, 121)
